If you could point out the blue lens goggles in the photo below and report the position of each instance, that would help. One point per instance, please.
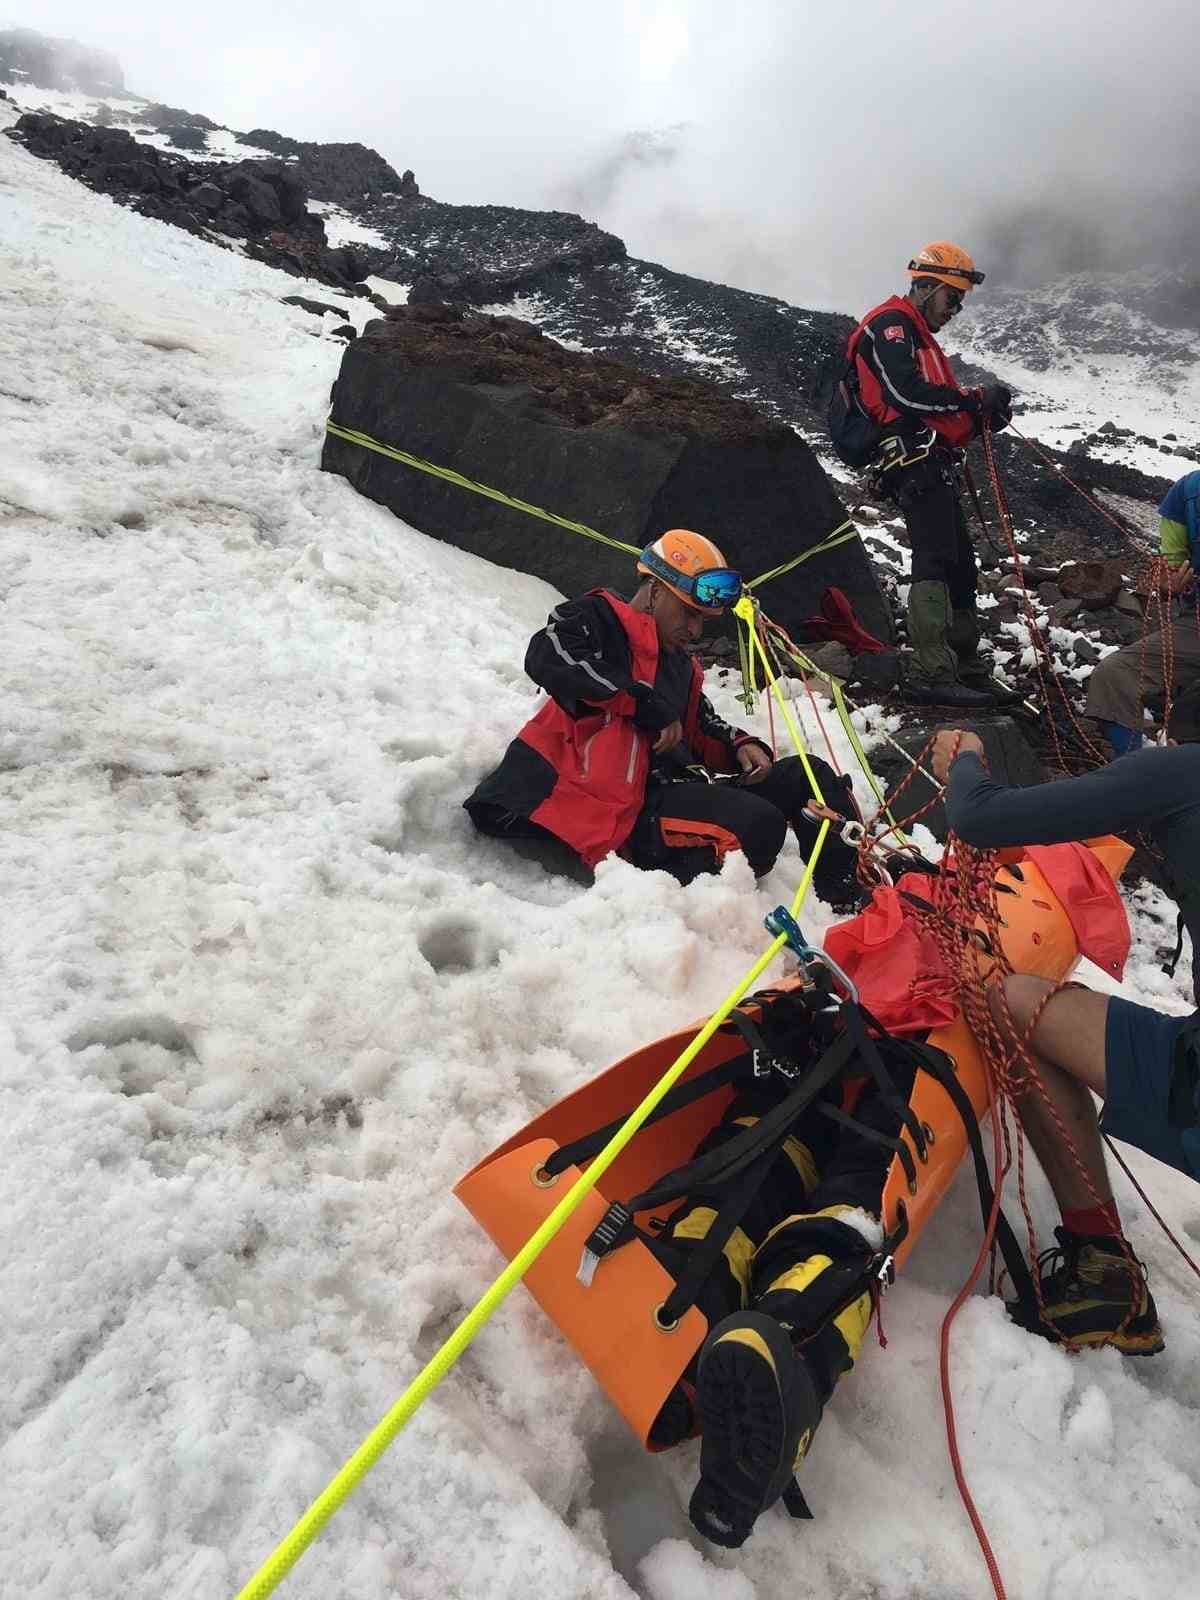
(715, 590)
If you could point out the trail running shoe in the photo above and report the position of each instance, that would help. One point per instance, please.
(1092, 1295)
(758, 1412)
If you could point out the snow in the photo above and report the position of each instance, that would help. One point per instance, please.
(267, 997)
(1151, 394)
(396, 294)
(341, 228)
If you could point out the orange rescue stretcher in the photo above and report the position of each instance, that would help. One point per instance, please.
(613, 1325)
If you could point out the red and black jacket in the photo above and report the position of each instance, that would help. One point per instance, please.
(579, 768)
(905, 381)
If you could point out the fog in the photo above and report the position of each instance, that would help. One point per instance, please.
(797, 150)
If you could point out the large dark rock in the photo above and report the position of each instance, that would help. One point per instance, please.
(594, 441)
(1010, 756)
(343, 173)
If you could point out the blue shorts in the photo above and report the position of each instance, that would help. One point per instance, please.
(1139, 1066)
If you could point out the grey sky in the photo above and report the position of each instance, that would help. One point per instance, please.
(800, 149)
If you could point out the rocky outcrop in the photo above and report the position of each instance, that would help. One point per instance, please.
(31, 58)
(594, 441)
(262, 203)
(346, 174)
(1010, 756)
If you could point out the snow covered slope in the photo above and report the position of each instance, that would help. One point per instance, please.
(266, 997)
(1097, 349)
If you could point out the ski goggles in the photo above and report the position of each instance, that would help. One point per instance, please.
(716, 589)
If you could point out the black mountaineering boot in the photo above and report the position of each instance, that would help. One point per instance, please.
(758, 1411)
(1092, 1294)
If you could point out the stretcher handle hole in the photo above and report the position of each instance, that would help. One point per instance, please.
(543, 1179)
(664, 1327)
(929, 1134)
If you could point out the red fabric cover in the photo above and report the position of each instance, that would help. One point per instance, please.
(956, 428)
(602, 761)
(837, 621)
(894, 962)
(1090, 898)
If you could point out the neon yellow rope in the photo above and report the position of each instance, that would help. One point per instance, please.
(331, 1499)
(355, 436)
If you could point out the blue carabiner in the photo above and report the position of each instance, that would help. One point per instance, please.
(781, 921)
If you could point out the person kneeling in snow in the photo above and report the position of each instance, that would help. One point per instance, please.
(1143, 1064)
(623, 755)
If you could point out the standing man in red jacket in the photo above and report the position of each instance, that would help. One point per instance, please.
(906, 386)
(628, 755)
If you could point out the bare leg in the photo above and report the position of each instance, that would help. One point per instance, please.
(1067, 1054)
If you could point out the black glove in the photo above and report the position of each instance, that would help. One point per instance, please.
(995, 403)
(653, 714)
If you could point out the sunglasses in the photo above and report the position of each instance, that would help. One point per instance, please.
(954, 296)
(715, 590)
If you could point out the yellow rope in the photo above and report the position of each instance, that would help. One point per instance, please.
(281, 1560)
(331, 1499)
(354, 436)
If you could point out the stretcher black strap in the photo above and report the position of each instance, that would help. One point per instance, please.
(897, 1146)
(939, 1067)
(1172, 961)
(702, 1260)
(855, 1020)
(729, 1160)
(685, 1094)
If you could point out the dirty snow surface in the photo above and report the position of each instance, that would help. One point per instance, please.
(266, 998)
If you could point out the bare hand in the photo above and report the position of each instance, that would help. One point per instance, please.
(668, 737)
(754, 762)
(952, 742)
(1180, 578)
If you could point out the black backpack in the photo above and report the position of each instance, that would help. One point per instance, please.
(855, 436)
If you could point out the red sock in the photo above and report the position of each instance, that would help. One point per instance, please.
(1093, 1222)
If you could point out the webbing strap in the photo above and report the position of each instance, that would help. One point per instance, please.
(589, 1144)
(840, 535)
(939, 1067)
(731, 1159)
(701, 1261)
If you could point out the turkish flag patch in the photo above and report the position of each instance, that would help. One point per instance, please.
(895, 332)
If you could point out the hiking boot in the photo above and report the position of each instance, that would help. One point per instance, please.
(1092, 1295)
(758, 1412)
(951, 692)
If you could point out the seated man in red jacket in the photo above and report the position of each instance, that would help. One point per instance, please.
(623, 754)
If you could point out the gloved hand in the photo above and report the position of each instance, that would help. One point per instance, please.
(995, 403)
(653, 713)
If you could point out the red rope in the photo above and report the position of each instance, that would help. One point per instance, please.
(1054, 467)
(1116, 1154)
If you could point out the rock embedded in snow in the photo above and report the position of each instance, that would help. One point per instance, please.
(595, 441)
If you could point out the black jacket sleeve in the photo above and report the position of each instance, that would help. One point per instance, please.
(889, 347)
(582, 658)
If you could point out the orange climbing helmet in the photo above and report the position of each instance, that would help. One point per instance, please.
(946, 262)
(693, 568)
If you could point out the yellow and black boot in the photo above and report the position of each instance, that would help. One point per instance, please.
(765, 1374)
(758, 1409)
(1094, 1292)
